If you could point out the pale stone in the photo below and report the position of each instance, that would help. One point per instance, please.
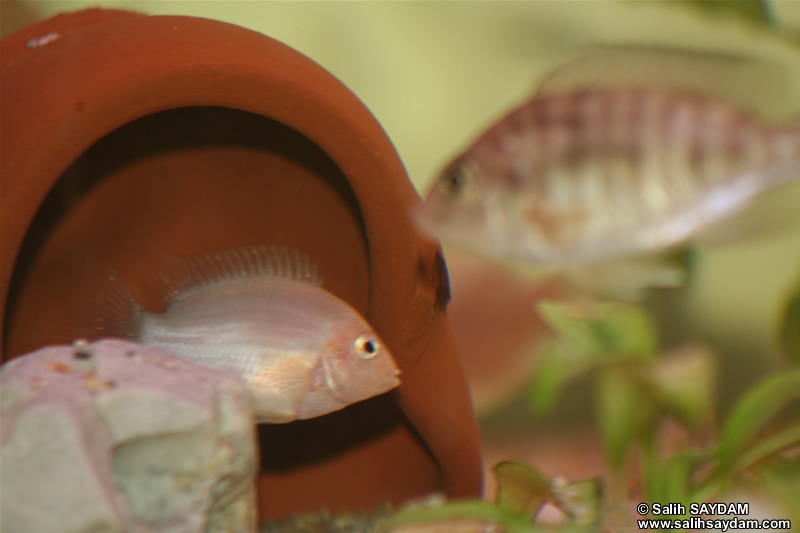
(116, 436)
(49, 482)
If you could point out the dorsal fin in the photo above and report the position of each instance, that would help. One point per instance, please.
(183, 276)
(109, 309)
(752, 83)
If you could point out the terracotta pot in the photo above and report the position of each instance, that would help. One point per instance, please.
(125, 135)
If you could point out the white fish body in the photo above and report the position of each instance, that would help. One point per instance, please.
(593, 175)
(261, 314)
(583, 176)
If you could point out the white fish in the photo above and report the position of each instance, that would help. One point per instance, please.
(598, 173)
(261, 313)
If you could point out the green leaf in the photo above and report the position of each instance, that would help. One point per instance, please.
(668, 479)
(789, 333)
(626, 412)
(581, 501)
(557, 365)
(602, 330)
(751, 412)
(684, 384)
(479, 511)
(587, 336)
(568, 322)
(520, 489)
(769, 446)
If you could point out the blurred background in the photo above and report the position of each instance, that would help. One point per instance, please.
(436, 74)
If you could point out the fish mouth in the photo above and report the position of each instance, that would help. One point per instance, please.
(394, 379)
(389, 379)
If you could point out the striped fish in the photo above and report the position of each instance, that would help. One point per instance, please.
(593, 174)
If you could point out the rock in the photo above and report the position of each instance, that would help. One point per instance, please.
(117, 436)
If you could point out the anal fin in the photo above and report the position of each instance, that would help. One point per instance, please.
(627, 279)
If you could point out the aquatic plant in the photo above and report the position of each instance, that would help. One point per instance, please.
(663, 438)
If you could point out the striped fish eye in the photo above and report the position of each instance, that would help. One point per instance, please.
(366, 346)
(460, 181)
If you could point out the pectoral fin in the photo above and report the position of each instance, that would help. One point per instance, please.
(279, 389)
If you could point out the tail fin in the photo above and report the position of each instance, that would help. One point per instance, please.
(110, 311)
(783, 145)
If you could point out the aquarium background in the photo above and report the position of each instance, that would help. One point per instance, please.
(436, 74)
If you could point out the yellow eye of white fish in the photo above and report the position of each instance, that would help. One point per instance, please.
(366, 346)
(460, 181)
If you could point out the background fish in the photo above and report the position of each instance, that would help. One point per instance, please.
(603, 171)
(262, 314)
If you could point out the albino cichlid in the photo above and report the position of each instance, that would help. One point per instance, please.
(261, 313)
(591, 170)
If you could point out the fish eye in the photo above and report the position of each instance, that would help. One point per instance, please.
(459, 180)
(366, 346)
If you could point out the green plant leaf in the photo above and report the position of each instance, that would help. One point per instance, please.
(770, 445)
(581, 501)
(684, 384)
(751, 412)
(520, 489)
(586, 336)
(668, 479)
(626, 413)
(789, 333)
(479, 511)
(557, 366)
(602, 330)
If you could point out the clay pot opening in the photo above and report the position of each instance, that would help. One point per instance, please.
(220, 176)
(212, 136)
